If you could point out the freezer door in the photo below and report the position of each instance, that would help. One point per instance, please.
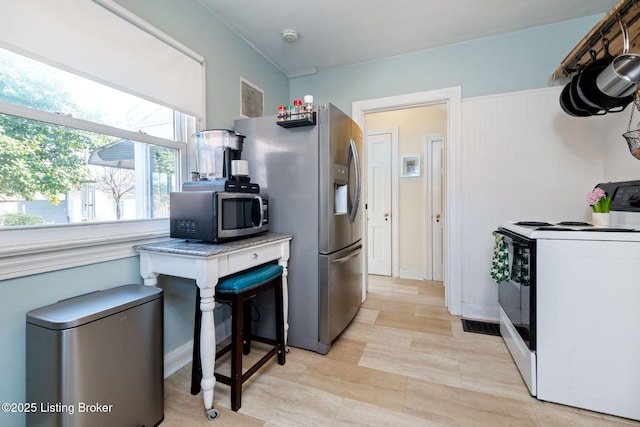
(340, 291)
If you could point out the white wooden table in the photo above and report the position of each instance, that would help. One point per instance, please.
(206, 263)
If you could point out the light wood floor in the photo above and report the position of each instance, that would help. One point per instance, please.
(403, 361)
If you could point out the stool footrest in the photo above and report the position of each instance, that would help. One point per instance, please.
(227, 348)
(224, 379)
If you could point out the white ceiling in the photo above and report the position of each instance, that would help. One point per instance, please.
(335, 33)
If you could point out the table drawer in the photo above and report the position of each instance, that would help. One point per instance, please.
(253, 256)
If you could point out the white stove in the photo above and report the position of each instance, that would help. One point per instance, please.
(575, 230)
(569, 306)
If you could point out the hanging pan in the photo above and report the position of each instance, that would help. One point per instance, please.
(577, 102)
(587, 88)
(567, 104)
(620, 78)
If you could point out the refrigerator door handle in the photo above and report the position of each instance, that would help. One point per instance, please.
(353, 156)
(346, 258)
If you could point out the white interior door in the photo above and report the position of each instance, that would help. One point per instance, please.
(379, 203)
(435, 236)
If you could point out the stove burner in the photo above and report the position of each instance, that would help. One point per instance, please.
(575, 224)
(553, 228)
(606, 229)
(534, 224)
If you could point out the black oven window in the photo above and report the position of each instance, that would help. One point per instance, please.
(516, 296)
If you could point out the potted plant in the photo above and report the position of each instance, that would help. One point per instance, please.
(600, 203)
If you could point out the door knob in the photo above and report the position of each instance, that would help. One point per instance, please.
(437, 217)
(386, 216)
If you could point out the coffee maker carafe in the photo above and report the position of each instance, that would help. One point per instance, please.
(216, 150)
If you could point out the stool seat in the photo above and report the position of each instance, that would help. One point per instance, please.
(249, 280)
(238, 291)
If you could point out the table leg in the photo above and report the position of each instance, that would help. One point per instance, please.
(196, 365)
(208, 350)
(285, 300)
(149, 277)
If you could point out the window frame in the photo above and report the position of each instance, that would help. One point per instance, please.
(39, 249)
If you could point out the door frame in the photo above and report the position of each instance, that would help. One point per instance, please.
(395, 266)
(452, 97)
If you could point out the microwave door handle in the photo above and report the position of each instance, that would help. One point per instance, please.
(261, 208)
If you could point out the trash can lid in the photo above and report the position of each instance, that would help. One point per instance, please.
(77, 311)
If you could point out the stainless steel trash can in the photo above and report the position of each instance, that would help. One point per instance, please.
(97, 359)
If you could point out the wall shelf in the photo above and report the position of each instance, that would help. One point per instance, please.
(307, 121)
(627, 11)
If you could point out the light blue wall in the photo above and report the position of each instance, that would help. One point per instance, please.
(517, 61)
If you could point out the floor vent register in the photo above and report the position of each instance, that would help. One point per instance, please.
(478, 327)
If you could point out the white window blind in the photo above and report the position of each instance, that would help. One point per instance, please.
(108, 44)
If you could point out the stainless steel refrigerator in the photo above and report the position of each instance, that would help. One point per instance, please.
(312, 175)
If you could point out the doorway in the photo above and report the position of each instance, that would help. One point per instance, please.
(451, 98)
(382, 146)
(404, 192)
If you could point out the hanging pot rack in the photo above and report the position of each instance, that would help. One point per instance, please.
(606, 34)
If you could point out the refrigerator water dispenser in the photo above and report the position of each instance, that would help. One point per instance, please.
(341, 190)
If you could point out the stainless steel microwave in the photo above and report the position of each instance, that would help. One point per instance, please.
(217, 216)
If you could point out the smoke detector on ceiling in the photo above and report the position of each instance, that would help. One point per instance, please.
(290, 35)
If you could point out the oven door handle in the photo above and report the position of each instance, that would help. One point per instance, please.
(510, 241)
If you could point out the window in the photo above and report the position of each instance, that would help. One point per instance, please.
(72, 150)
(85, 169)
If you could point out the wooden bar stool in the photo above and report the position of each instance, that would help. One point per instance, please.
(238, 291)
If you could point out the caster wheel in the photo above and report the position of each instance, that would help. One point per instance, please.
(212, 413)
(287, 349)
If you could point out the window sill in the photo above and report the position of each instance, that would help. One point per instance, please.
(32, 250)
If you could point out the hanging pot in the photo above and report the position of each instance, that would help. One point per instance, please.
(621, 77)
(588, 91)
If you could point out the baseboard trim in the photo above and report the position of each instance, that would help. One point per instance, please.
(474, 311)
(411, 274)
(178, 359)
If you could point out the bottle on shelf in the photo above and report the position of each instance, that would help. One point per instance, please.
(282, 113)
(308, 106)
(297, 110)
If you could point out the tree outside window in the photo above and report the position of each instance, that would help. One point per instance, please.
(51, 173)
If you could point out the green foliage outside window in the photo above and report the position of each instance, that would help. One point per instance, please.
(15, 219)
(37, 157)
